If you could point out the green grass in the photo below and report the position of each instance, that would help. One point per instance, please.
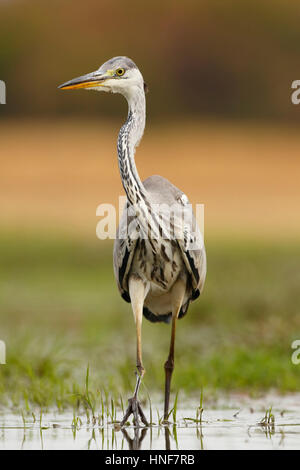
(61, 311)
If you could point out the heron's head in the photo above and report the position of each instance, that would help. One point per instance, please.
(117, 75)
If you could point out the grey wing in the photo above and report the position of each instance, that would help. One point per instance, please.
(194, 256)
(188, 237)
(187, 233)
(124, 249)
(192, 248)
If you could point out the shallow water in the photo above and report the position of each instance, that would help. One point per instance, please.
(233, 423)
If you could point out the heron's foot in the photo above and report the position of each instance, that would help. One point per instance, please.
(135, 409)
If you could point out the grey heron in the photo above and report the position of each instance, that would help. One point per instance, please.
(159, 255)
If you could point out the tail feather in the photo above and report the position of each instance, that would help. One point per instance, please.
(165, 318)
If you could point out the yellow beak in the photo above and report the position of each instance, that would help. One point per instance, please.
(89, 80)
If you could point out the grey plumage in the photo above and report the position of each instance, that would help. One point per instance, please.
(159, 255)
(160, 190)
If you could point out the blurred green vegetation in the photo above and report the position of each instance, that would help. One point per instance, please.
(209, 58)
(60, 311)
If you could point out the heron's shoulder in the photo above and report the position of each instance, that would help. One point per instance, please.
(157, 182)
(159, 186)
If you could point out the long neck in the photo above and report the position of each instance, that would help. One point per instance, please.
(129, 137)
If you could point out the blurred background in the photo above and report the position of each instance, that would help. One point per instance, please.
(220, 125)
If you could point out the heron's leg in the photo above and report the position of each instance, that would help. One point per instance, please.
(137, 293)
(178, 292)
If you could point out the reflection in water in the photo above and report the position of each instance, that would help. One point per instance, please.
(220, 429)
(110, 437)
(135, 443)
(167, 438)
(139, 436)
(171, 435)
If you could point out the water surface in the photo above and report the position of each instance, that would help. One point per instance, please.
(235, 423)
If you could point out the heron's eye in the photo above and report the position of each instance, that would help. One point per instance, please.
(120, 72)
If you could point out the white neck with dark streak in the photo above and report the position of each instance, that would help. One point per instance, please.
(129, 137)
